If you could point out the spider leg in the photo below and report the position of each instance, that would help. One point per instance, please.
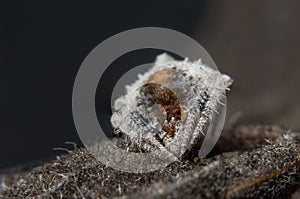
(192, 129)
(148, 134)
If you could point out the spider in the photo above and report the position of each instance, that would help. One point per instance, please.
(170, 107)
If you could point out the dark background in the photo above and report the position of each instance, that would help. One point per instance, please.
(42, 45)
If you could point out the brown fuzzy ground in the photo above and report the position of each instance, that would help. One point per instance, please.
(243, 165)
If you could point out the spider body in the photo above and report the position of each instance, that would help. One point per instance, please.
(170, 107)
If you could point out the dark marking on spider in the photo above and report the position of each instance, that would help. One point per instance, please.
(157, 94)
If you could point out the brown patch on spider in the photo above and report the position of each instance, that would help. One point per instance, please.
(158, 94)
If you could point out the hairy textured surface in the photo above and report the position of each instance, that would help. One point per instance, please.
(190, 94)
(253, 167)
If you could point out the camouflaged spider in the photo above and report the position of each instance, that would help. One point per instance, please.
(170, 107)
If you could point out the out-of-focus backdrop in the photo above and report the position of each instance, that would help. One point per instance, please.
(258, 44)
(43, 44)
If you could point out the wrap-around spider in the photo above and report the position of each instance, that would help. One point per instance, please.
(170, 107)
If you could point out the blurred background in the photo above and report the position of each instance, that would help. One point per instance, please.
(42, 45)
